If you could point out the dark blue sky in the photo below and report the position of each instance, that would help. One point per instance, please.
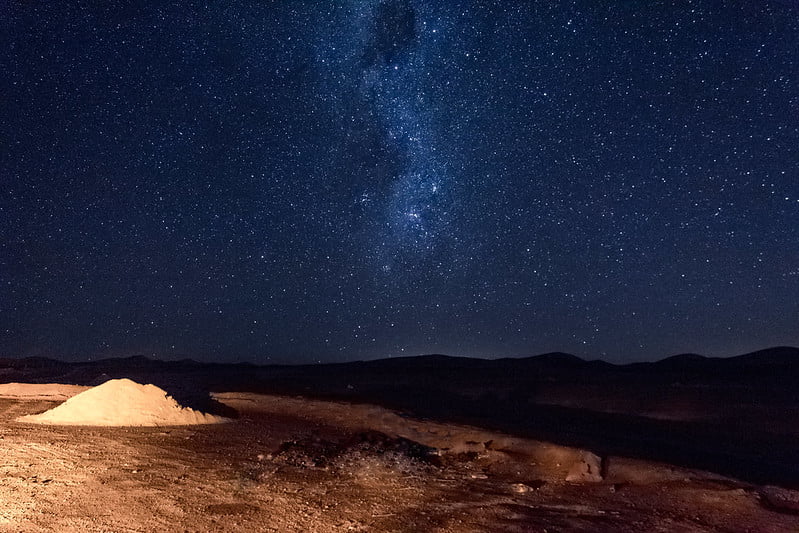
(291, 182)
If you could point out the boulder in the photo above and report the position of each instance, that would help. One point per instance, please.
(587, 469)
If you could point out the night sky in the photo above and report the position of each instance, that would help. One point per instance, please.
(296, 181)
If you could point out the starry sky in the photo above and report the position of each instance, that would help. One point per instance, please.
(300, 181)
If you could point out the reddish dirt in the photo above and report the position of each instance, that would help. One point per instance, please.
(293, 464)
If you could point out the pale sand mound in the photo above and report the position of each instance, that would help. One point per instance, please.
(122, 402)
(39, 391)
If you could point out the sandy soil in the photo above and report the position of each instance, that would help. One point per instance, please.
(292, 464)
(122, 402)
(40, 391)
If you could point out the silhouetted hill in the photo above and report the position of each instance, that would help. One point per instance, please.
(554, 358)
(777, 357)
(685, 361)
(422, 362)
(785, 358)
(30, 362)
(780, 360)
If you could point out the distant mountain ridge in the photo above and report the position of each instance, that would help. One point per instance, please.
(777, 356)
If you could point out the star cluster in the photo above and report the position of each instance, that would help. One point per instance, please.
(295, 182)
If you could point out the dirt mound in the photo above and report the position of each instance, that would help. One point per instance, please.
(122, 402)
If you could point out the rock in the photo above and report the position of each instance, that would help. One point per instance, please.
(588, 469)
(521, 488)
(467, 447)
(780, 500)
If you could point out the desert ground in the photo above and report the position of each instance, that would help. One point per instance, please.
(293, 464)
(338, 461)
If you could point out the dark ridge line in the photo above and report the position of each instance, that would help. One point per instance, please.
(775, 354)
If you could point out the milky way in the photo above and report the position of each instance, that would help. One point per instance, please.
(375, 64)
(297, 182)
